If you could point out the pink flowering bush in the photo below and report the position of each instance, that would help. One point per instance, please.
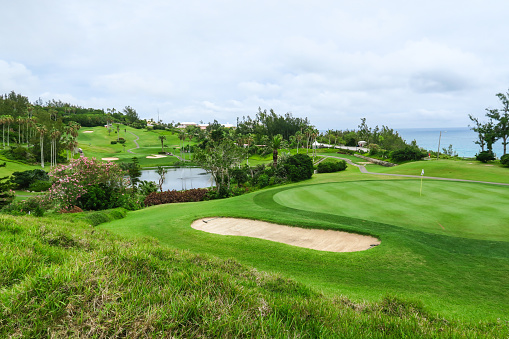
(71, 181)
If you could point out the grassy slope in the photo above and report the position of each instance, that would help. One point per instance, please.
(65, 279)
(456, 277)
(459, 169)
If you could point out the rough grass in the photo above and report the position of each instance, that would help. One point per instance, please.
(67, 279)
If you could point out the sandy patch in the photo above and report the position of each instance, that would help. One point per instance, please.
(88, 131)
(109, 159)
(156, 156)
(322, 240)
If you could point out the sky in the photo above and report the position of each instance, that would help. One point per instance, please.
(401, 64)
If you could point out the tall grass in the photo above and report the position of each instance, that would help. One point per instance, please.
(67, 279)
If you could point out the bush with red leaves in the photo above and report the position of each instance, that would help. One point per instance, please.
(168, 197)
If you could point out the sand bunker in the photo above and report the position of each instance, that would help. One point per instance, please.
(322, 240)
(109, 159)
(88, 131)
(156, 156)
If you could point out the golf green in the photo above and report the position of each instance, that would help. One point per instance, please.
(459, 209)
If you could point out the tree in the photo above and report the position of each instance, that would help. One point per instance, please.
(502, 119)
(275, 144)
(218, 158)
(162, 138)
(298, 137)
(130, 114)
(162, 173)
(42, 131)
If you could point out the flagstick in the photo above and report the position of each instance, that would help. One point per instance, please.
(420, 194)
(422, 175)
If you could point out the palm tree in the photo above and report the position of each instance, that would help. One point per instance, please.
(42, 130)
(55, 134)
(182, 138)
(2, 121)
(9, 120)
(298, 137)
(249, 140)
(162, 138)
(308, 131)
(275, 144)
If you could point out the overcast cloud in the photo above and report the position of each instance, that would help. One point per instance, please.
(396, 63)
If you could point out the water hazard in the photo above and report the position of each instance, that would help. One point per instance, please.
(180, 178)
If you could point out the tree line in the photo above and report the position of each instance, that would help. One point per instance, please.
(495, 128)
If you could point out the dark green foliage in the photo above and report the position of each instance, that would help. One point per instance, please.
(99, 197)
(408, 153)
(504, 160)
(263, 180)
(240, 175)
(173, 196)
(485, 156)
(299, 167)
(147, 187)
(22, 180)
(133, 169)
(331, 165)
(39, 186)
(18, 153)
(113, 142)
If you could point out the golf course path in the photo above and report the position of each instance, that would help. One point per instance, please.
(135, 142)
(322, 240)
(363, 169)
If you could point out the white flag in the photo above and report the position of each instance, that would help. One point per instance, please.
(422, 173)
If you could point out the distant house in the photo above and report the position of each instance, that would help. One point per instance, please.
(185, 124)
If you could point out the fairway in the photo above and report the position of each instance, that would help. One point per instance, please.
(457, 209)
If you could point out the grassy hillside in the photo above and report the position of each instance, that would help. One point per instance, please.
(63, 278)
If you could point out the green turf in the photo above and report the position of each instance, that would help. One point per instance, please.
(457, 209)
(456, 277)
(460, 169)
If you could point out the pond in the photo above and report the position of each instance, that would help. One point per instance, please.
(180, 178)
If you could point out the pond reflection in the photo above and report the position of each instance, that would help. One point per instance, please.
(180, 178)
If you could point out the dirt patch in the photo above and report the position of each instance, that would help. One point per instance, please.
(322, 240)
(156, 156)
(109, 159)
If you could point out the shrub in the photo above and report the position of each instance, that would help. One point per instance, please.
(121, 141)
(504, 160)
(331, 165)
(263, 180)
(299, 167)
(22, 180)
(173, 196)
(113, 142)
(408, 153)
(40, 185)
(73, 180)
(485, 156)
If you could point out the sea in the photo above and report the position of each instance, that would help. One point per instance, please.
(461, 138)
